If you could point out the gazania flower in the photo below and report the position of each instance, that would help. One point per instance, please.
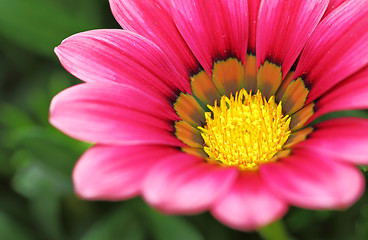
(206, 105)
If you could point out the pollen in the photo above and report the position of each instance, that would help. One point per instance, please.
(245, 130)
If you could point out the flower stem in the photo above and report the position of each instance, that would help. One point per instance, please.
(274, 231)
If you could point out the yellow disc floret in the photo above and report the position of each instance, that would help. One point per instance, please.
(245, 130)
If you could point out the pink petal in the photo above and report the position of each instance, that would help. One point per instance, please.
(283, 29)
(113, 114)
(349, 94)
(332, 5)
(315, 181)
(186, 184)
(115, 172)
(343, 138)
(152, 19)
(253, 8)
(213, 30)
(119, 56)
(248, 204)
(336, 49)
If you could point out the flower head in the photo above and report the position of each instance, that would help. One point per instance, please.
(199, 106)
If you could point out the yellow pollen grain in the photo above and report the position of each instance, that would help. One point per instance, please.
(245, 130)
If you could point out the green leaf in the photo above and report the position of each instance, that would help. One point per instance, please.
(34, 179)
(45, 210)
(50, 147)
(274, 231)
(170, 227)
(122, 223)
(13, 118)
(39, 25)
(59, 80)
(12, 230)
(351, 113)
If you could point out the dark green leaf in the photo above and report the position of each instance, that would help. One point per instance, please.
(170, 227)
(122, 223)
(39, 25)
(12, 230)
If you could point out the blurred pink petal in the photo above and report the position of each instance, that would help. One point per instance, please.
(315, 181)
(351, 93)
(94, 112)
(115, 172)
(342, 138)
(249, 204)
(185, 184)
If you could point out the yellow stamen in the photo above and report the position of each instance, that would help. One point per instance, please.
(245, 130)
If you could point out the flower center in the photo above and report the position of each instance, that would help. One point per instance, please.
(245, 130)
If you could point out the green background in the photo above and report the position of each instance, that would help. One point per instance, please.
(36, 193)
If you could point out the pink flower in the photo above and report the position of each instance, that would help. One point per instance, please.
(200, 105)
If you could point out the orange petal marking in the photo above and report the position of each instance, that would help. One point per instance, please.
(294, 96)
(284, 85)
(280, 154)
(298, 136)
(195, 151)
(269, 78)
(189, 110)
(250, 81)
(188, 134)
(299, 118)
(204, 89)
(228, 76)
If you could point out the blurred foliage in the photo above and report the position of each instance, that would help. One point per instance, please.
(37, 199)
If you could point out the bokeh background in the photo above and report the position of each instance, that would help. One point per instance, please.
(36, 192)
